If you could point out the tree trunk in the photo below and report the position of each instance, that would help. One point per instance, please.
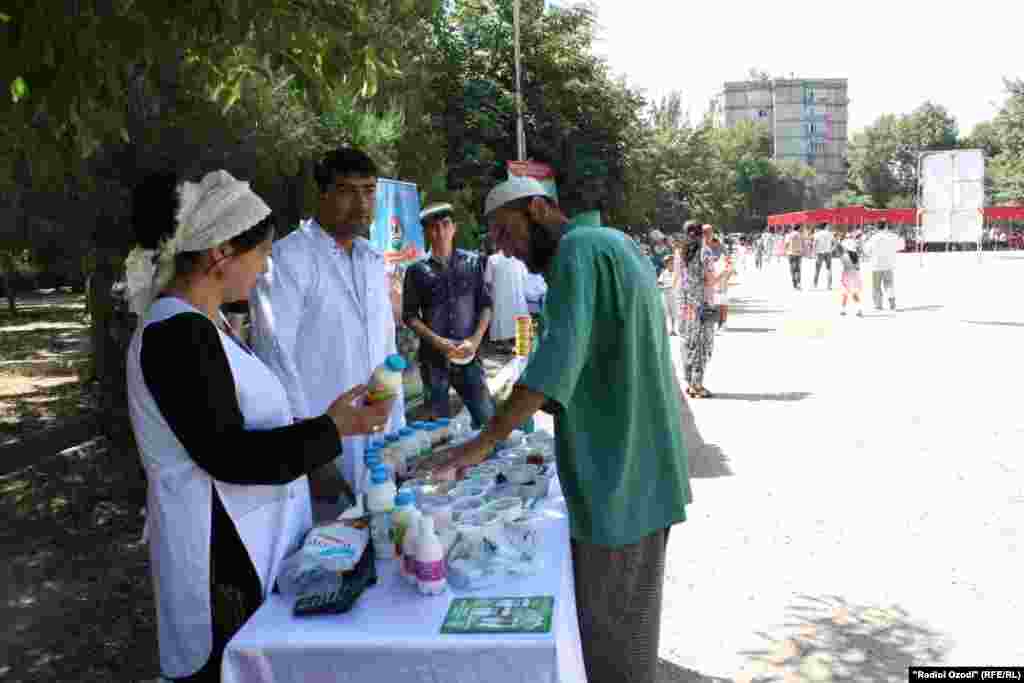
(9, 286)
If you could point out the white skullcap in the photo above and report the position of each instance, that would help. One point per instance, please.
(516, 187)
(211, 212)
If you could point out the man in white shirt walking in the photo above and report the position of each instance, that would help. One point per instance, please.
(881, 249)
(824, 242)
(322, 313)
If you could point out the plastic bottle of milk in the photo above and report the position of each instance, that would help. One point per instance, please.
(409, 543)
(391, 454)
(386, 381)
(401, 517)
(372, 460)
(407, 447)
(431, 571)
(380, 503)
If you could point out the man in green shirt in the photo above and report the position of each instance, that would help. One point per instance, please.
(603, 367)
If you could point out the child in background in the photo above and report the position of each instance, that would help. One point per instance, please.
(851, 281)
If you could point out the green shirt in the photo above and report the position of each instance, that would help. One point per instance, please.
(604, 358)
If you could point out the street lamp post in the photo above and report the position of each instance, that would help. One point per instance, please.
(520, 132)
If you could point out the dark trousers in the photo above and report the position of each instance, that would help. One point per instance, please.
(794, 270)
(470, 384)
(823, 260)
(618, 601)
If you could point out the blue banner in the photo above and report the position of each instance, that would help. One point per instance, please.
(396, 228)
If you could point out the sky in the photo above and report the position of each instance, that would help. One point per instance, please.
(896, 54)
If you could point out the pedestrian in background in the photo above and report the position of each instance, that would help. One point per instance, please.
(851, 282)
(794, 249)
(824, 242)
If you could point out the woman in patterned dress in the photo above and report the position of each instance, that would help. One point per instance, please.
(699, 291)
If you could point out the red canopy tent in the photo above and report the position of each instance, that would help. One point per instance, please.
(1004, 213)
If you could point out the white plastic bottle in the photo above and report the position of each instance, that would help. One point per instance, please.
(407, 448)
(401, 517)
(386, 381)
(431, 569)
(391, 454)
(372, 460)
(380, 503)
(409, 542)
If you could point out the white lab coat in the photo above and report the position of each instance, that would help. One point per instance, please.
(271, 520)
(506, 277)
(322, 321)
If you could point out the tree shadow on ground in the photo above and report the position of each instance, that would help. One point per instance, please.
(27, 334)
(783, 396)
(827, 638)
(77, 602)
(994, 323)
(756, 330)
(673, 673)
(708, 461)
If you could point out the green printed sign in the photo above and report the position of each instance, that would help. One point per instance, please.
(499, 615)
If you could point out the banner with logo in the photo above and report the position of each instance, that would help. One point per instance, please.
(538, 171)
(396, 228)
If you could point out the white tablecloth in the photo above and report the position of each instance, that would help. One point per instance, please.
(393, 634)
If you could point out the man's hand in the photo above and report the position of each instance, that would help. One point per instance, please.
(458, 460)
(445, 346)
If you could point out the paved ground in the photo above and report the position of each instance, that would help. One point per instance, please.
(861, 504)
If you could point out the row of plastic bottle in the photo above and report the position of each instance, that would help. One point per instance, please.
(402, 449)
(400, 532)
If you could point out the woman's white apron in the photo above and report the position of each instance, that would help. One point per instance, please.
(271, 520)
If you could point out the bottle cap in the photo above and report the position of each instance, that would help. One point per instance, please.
(405, 431)
(404, 498)
(379, 475)
(395, 363)
(393, 437)
(372, 460)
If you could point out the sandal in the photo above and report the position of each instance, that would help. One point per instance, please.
(692, 393)
(704, 393)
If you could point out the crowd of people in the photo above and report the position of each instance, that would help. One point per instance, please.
(696, 267)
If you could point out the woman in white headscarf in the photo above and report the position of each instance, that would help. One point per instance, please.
(225, 462)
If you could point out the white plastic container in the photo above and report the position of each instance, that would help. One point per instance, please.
(438, 509)
(386, 381)
(409, 544)
(431, 569)
(401, 517)
(380, 503)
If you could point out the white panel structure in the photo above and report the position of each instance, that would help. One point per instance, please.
(951, 194)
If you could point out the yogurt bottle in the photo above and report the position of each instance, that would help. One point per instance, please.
(380, 503)
(401, 517)
(391, 454)
(431, 570)
(409, 543)
(386, 381)
(372, 460)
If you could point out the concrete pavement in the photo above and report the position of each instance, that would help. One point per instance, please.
(858, 507)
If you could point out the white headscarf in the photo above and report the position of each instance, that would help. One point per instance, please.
(211, 212)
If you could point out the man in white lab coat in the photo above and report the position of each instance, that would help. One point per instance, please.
(322, 313)
(881, 249)
(506, 277)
